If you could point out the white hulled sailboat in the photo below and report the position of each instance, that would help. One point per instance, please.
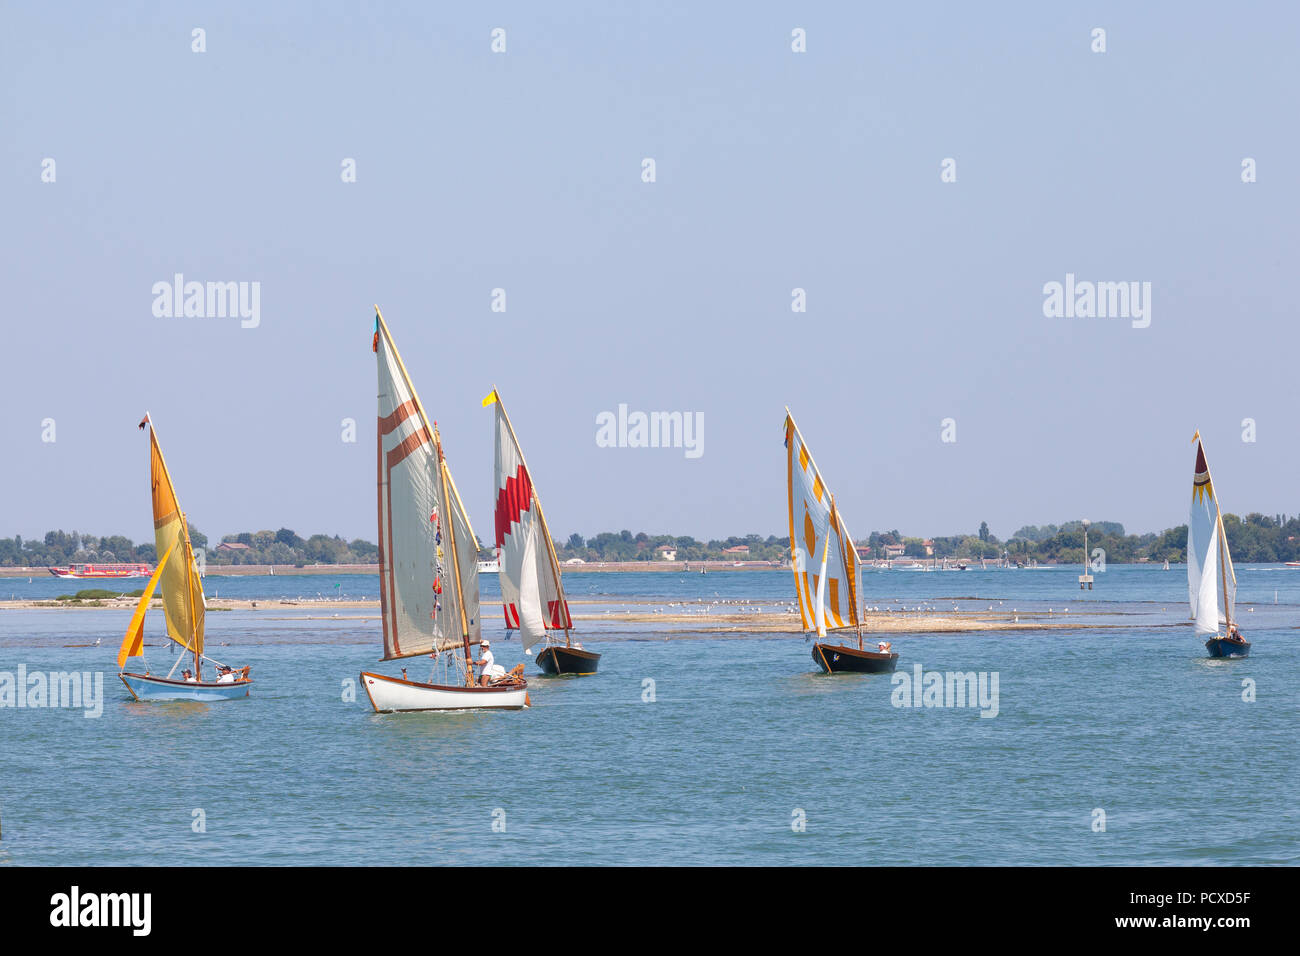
(428, 561)
(827, 569)
(531, 592)
(1211, 579)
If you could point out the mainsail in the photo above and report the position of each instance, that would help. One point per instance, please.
(531, 593)
(428, 571)
(827, 569)
(182, 590)
(1207, 554)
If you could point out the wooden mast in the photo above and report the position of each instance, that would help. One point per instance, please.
(532, 490)
(455, 558)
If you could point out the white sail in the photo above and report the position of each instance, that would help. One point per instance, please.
(418, 593)
(1203, 529)
(531, 593)
(1229, 611)
(826, 565)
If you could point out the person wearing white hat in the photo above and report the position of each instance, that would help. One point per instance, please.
(489, 668)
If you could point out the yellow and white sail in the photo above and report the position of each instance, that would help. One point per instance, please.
(428, 559)
(531, 593)
(182, 589)
(827, 569)
(1211, 579)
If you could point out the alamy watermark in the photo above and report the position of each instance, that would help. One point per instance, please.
(208, 300)
(1075, 299)
(651, 430)
(37, 689)
(946, 689)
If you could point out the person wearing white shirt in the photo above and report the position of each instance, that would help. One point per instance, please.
(489, 668)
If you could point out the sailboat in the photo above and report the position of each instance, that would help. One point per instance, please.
(531, 592)
(1211, 580)
(184, 605)
(428, 561)
(827, 569)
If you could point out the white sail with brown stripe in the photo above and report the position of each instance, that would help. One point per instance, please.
(827, 569)
(428, 564)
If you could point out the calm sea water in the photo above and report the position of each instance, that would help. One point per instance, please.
(742, 739)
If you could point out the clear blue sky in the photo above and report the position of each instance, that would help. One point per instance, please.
(775, 170)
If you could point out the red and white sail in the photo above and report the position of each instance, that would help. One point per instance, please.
(425, 538)
(827, 569)
(531, 592)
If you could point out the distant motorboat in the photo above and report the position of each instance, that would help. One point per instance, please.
(1166, 567)
(89, 571)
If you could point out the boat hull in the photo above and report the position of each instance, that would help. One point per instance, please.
(1222, 647)
(567, 661)
(839, 659)
(144, 687)
(392, 695)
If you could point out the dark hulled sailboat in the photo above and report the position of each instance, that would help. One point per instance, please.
(827, 569)
(1211, 579)
(531, 591)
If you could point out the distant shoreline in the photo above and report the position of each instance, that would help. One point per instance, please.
(680, 567)
(693, 618)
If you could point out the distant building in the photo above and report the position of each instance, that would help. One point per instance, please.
(232, 546)
(739, 551)
(929, 547)
(575, 561)
(864, 550)
(667, 552)
(894, 550)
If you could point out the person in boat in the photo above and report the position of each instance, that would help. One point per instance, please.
(489, 668)
(885, 646)
(188, 676)
(1234, 635)
(227, 675)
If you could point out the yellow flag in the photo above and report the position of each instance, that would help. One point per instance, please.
(490, 399)
(133, 643)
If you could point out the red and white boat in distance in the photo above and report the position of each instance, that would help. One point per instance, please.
(102, 571)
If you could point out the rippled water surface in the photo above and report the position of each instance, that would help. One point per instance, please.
(742, 738)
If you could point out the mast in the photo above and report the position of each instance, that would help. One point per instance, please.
(455, 558)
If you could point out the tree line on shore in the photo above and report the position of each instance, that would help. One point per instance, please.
(1256, 538)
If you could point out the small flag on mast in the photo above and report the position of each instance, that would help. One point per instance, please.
(144, 421)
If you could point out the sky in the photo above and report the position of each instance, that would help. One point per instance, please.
(774, 170)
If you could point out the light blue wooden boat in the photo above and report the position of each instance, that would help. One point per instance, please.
(149, 687)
